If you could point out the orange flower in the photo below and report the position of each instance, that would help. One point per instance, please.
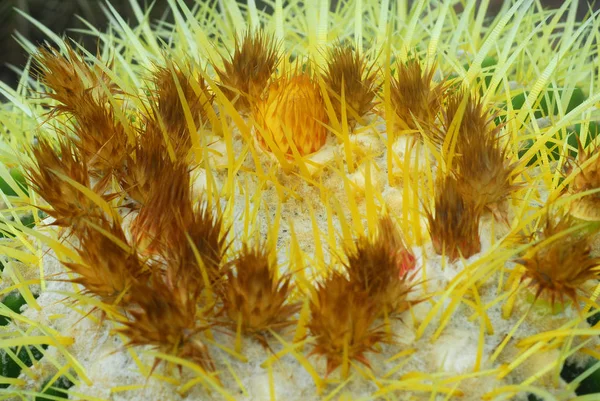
(293, 110)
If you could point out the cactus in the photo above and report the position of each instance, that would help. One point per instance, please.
(368, 201)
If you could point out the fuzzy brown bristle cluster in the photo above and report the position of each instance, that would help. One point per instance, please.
(342, 319)
(168, 206)
(588, 178)
(454, 224)
(246, 74)
(381, 264)
(164, 315)
(110, 266)
(485, 176)
(82, 93)
(202, 239)
(176, 92)
(49, 177)
(416, 98)
(474, 122)
(145, 168)
(483, 169)
(349, 72)
(71, 79)
(292, 116)
(255, 297)
(561, 265)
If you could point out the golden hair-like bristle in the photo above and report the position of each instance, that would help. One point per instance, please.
(454, 225)
(561, 267)
(347, 69)
(293, 107)
(107, 269)
(248, 71)
(171, 109)
(416, 99)
(255, 295)
(342, 318)
(381, 264)
(68, 205)
(165, 316)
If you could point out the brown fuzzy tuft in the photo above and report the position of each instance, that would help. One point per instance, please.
(482, 165)
(246, 75)
(475, 123)
(293, 106)
(170, 107)
(485, 176)
(483, 168)
(101, 139)
(342, 318)
(415, 97)
(381, 265)
(203, 232)
(349, 70)
(454, 228)
(165, 316)
(161, 219)
(586, 207)
(560, 268)
(255, 295)
(107, 270)
(71, 79)
(68, 205)
(144, 168)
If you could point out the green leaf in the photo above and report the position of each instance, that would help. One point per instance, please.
(577, 97)
(548, 103)
(18, 176)
(590, 385)
(595, 318)
(27, 220)
(57, 390)
(487, 64)
(10, 369)
(13, 301)
(592, 133)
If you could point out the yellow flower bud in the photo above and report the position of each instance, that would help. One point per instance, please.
(293, 107)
